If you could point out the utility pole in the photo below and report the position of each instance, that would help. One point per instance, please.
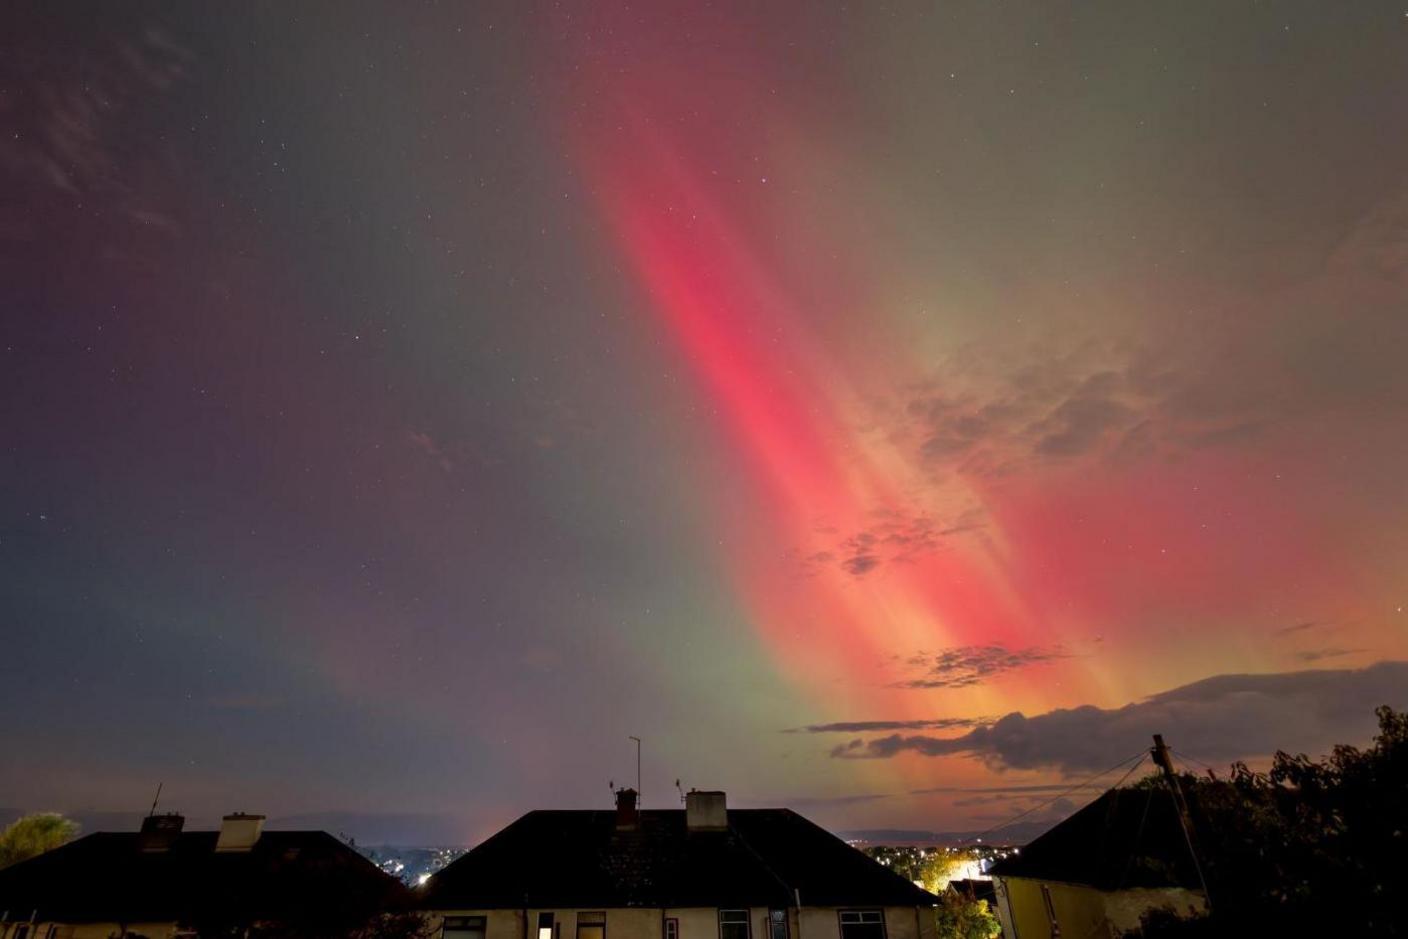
(639, 800)
(1164, 761)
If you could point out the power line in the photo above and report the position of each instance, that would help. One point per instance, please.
(1137, 759)
(1193, 759)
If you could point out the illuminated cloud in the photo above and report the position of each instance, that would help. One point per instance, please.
(965, 666)
(1226, 717)
(859, 727)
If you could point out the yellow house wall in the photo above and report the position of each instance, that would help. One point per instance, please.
(1079, 910)
(1124, 908)
(1085, 911)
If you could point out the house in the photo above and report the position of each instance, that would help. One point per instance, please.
(1100, 870)
(163, 881)
(704, 872)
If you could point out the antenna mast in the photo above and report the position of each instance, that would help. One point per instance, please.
(639, 800)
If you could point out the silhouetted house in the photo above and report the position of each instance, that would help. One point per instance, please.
(1100, 870)
(702, 873)
(164, 881)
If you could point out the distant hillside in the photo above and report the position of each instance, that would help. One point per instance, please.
(1020, 833)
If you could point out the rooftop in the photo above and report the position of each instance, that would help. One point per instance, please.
(108, 877)
(1125, 838)
(764, 857)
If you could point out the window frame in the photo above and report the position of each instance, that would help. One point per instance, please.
(577, 927)
(671, 929)
(879, 912)
(462, 924)
(774, 920)
(746, 920)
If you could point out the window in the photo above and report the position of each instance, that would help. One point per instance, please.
(21, 931)
(862, 924)
(733, 924)
(672, 929)
(545, 926)
(463, 927)
(777, 924)
(591, 925)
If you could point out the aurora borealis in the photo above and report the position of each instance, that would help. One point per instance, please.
(404, 404)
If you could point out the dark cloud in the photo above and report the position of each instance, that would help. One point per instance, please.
(860, 727)
(1226, 717)
(818, 802)
(892, 537)
(1330, 652)
(861, 562)
(1096, 401)
(1297, 628)
(964, 666)
(1030, 788)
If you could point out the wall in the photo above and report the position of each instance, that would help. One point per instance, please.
(1123, 908)
(695, 922)
(1079, 910)
(91, 930)
(1084, 911)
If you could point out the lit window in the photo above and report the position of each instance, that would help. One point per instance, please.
(733, 924)
(672, 928)
(464, 927)
(591, 925)
(862, 924)
(544, 926)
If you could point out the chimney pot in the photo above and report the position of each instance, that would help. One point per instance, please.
(705, 811)
(160, 831)
(239, 832)
(627, 811)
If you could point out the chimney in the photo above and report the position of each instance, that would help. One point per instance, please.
(239, 832)
(705, 811)
(627, 814)
(160, 831)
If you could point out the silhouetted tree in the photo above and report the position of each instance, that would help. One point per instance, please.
(1308, 847)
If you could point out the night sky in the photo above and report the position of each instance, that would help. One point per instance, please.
(896, 412)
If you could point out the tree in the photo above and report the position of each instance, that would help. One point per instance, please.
(962, 916)
(33, 835)
(1308, 847)
(937, 869)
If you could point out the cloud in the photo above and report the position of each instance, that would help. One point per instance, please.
(858, 727)
(1215, 369)
(965, 666)
(1330, 652)
(1028, 788)
(1098, 401)
(1225, 717)
(71, 114)
(892, 537)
